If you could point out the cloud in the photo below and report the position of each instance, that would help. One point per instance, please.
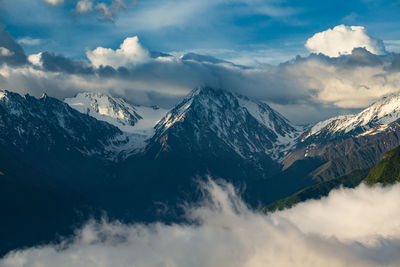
(59, 63)
(130, 52)
(36, 59)
(104, 11)
(365, 215)
(4, 52)
(350, 81)
(392, 45)
(29, 41)
(305, 89)
(351, 227)
(55, 2)
(184, 13)
(341, 40)
(84, 6)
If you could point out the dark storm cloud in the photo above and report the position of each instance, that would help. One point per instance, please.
(11, 52)
(360, 57)
(60, 63)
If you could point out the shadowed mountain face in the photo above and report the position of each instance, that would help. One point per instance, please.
(56, 139)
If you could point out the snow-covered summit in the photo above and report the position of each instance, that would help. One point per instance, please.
(247, 126)
(116, 111)
(382, 112)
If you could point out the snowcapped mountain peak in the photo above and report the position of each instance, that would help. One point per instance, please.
(247, 126)
(44, 95)
(382, 112)
(2, 94)
(6, 95)
(132, 119)
(106, 108)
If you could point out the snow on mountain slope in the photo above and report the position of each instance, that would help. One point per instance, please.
(382, 112)
(246, 126)
(286, 133)
(49, 124)
(128, 118)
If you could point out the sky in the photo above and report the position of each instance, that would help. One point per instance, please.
(310, 60)
(243, 31)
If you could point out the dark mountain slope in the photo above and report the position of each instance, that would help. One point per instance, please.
(36, 208)
(59, 141)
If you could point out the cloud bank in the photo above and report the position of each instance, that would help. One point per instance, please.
(350, 227)
(305, 89)
(341, 40)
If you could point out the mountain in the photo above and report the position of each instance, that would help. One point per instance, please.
(350, 142)
(370, 121)
(53, 162)
(98, 152)
(49, 124)
(36, 209)
(211, 132)
(238, 124)
(318, 191)
(58, 141)
(116, 111)
(276, 138)
(79, 142)
(386, 171)
(136, 122)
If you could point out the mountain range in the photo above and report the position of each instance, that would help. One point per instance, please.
(65, 161)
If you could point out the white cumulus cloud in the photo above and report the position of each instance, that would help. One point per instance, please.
(341, 40)
(131, 52)
(351, 227)
(36, 59)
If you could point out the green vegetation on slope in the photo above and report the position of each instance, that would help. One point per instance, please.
(386, 171)
(318, 191)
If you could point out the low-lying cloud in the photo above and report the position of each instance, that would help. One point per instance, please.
(350, 227)
(341, 40)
